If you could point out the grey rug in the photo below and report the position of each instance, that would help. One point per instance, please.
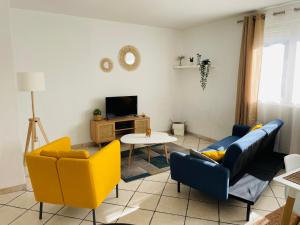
(140, 167)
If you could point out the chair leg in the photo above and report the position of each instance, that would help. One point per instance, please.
(178, 187)
(41, 211)
(117, 191)
(94, 217)
(248, 212)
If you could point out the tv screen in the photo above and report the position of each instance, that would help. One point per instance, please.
(121, 106)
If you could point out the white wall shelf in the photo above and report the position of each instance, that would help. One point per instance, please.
(187, 67)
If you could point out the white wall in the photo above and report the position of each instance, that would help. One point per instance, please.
(68, 49)
(211, 112)
(11, 171)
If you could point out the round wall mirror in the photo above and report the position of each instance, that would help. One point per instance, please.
(129, 57)
(106, 65)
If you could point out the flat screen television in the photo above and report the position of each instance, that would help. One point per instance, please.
(121, 106)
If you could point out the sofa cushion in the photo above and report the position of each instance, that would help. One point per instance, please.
(214, 154)
(240, 153)
(198, 154)
(78, 154)
(224, 143)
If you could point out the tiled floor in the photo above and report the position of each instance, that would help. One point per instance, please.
(153, 200)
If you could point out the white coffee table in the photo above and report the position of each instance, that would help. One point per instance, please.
(155, 138)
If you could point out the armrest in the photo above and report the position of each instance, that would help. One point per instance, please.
(240, 130)
(106, 169)
(208, 177)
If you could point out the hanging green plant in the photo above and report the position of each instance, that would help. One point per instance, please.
(204, 71)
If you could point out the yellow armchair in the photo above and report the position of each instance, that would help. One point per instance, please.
(60, 175)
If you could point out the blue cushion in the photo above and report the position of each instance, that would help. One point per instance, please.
(224, 143)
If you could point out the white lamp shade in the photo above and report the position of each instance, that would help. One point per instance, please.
(31, 81)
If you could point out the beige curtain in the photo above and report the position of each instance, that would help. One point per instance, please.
(249, 70)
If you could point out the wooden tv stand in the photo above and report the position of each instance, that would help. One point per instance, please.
(110, 129)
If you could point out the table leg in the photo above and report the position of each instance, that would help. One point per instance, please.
(287, 211)
(130, 153)
(149, 156)
(166, 152)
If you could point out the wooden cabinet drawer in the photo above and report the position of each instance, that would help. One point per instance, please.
(103, 132)
(140, 126)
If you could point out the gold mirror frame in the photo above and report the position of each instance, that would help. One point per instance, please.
(102, 65)
(122, 54)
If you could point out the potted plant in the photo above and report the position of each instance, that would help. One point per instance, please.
(97, 114)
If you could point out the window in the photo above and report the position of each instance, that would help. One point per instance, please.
(271, 73)
(296, 83)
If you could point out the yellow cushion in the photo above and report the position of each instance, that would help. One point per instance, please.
(78, 154)
(257, 126)
(215, 155)
(50, 153)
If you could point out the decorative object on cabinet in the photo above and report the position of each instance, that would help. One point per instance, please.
(198, 59)
(191, 60)
(97, 115)
(129, 57)
(31, 82)
(106, 65)
(204, 71)
(148, 132)
(109, 130)
(180, 58)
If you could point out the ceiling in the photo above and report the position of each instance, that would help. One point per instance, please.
(178, 14)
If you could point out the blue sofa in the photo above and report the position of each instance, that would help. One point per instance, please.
(237, 172)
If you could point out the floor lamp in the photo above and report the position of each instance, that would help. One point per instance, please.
(32, 82)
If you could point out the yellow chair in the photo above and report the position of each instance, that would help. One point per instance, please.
(60, 175)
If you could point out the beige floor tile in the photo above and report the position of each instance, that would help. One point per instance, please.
(28, 184)
(130, 186)
(144, 201)
(123, 199)
(171, 190)
(8, 214)
(160, 177)
(151, 187)
(107, 213)
(233, 202)
(279, 191)
(281, 201)
(172, 205)
(268, 192)
(49, 208)
(275, 183)
(61, 220)
(203, 210)
(166, 219)
(202, 146)
(257, 214)
(32, 218)
(79, 213)
(200, 196)
(191, 141)
(193, 221)
(171, 181)
(266, 203)
(86, 222)
(180, 139)
(136, 216)
(233, 214)
(4, 199)
(25, 200)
